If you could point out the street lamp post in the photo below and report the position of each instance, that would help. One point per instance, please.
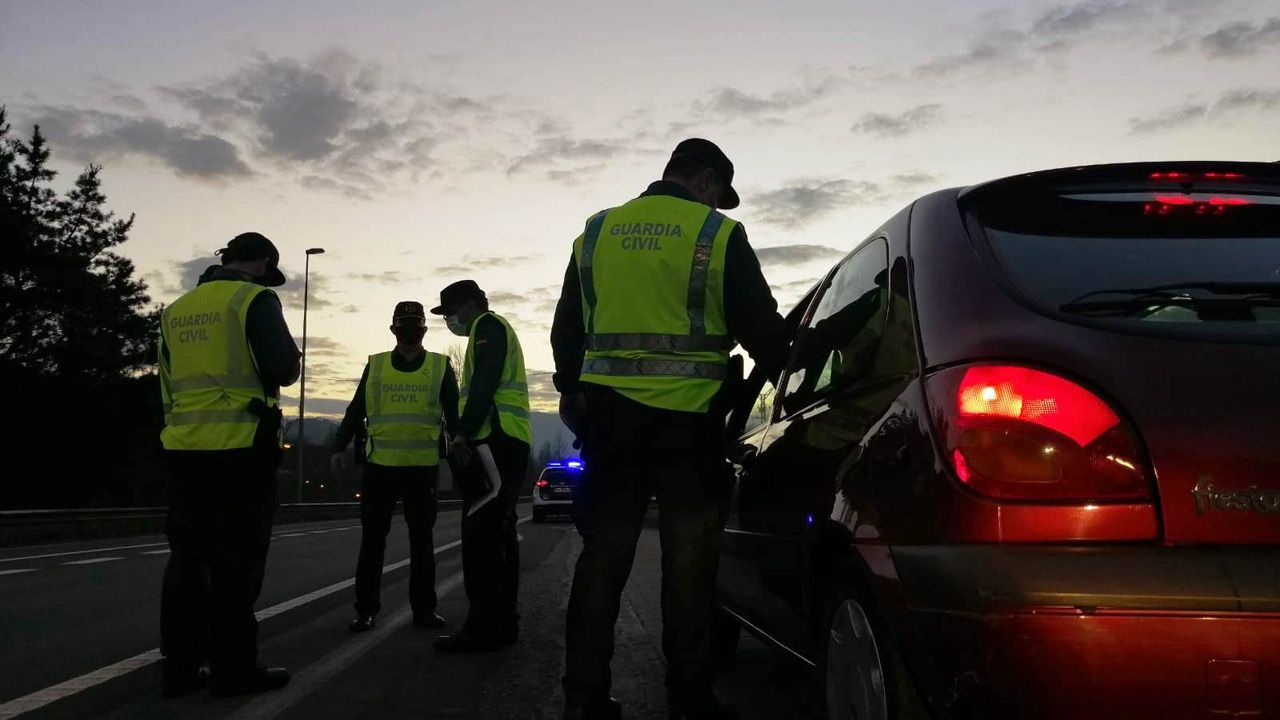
(302, 386)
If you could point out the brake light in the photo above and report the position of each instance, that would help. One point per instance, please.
(1014, 433)
(1188, 176)
(542, 482)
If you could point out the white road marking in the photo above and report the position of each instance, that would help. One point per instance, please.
(93, 561)
(326, 668)
(52, 694)
(81, 552)
(117, 548)
(19, 571)
(165, 551)
(291, 535)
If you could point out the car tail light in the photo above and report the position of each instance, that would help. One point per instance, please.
(542, 482)
(1017, 434)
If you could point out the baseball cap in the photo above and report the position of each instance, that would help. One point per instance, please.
(408, 309)
(254, 246)
(455, 294)
(709, 153)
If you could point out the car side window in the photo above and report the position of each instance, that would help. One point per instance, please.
(839, 342)
(762, 408)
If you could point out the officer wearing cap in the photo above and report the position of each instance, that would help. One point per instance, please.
(225, 352)
(658, 291)
(490, 455)
(402, 397)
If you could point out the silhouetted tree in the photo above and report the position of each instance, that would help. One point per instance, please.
(76, 333)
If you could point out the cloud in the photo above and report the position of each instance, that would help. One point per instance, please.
(318, 292)
(804, 201)
(900, 125)
(1175, 117)
(327, 184)
(94, 134)
(1232, 101)
(1001, 50)
(1080, 18)
(557, 151)
(1241, 39)
(1248, 99)
(344, 124)
(543, 395)
(320, 346)
(731, 102)
(791, 255)
(388, 277)
(471, 264)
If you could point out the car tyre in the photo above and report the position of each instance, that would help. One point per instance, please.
(539, 515)
(865, 677)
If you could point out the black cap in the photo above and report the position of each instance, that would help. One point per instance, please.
(408, 309)
(709, 153)
(254, 246)
(455, 294)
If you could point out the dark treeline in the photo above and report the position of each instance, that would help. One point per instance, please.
(75, 350)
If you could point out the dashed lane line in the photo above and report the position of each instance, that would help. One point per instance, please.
(82, 552)
(18, 571)
(54, 693)
(93, 561)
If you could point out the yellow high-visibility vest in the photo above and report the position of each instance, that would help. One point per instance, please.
(211, 376)
(652, 276)
(512, 396)
(404, 412)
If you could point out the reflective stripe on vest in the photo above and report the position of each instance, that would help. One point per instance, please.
(210, 377)
(403, 412)
(652, 278)
(623, 367)
(511, 399)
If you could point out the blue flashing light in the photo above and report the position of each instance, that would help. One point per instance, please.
(575, 464)
(555, 464)
(810, 519)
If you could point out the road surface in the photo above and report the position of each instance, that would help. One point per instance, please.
(79, 632)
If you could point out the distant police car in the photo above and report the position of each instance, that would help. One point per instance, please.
(553, 492)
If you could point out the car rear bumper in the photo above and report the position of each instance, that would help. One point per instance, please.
(539, 501)
(998, 631)
(1059, 664)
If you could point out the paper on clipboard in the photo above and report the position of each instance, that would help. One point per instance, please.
(485, 457)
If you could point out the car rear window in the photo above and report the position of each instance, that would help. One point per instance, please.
(551, 475)
(1199, 261)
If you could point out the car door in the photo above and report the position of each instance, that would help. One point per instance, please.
(785, 484)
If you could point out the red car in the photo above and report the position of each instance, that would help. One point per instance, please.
(1025, 459)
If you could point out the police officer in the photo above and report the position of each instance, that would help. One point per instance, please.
(225, 351)
(402, 397)
(490, 455)
(657, 293)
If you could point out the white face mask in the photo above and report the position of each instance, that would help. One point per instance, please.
(456, 326)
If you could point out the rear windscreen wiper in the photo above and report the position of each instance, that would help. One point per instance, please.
(1225, 296)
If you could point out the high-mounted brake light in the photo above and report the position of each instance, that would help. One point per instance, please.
(1015, 433)
(1189, 176)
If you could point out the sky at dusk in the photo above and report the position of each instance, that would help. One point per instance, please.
(425, 142)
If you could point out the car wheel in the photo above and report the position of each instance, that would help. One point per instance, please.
(539, 515)
(855, 676)
(865, 678)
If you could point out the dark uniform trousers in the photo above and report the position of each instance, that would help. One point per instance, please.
(490, 548)
(416, 487)
(631, 452)
(219, 528)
